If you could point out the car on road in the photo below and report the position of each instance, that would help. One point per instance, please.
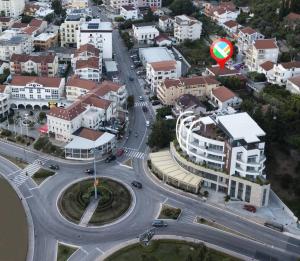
(54, 167)
(250, 208)
(141, 98)
(132, 67)
(145, 109)
(89, 171)
(130, 78)
(136, 184)
(159, 223)
(155, 102)
(147, 123)
(110, 158)
(119, 152)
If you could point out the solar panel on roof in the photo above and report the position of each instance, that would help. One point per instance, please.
(93, 26)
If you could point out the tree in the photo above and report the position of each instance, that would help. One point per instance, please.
(233, 83)
(42, 116)
(49, 18)
(4, 76)
(162, 133)
(57, 7)
(165, 3)
(149, 16)
(179, 7)
(26, 19)
(130, 101)
(161, 113)
(242, 18)
(257, 77)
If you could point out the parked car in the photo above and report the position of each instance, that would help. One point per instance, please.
(136, 184)
(141, 98)
(89, 171)
(145, 109)
(156, 102)
(110, 158)
(159, 223)
(132, 66)
(54, 167)
(250, 208)
(130, 78)
(119, 152)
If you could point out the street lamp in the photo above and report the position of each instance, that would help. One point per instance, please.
(95, 180)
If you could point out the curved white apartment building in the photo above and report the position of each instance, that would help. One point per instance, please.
(231, 143)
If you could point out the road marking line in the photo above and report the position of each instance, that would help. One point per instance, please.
(84, 251)
(29, 197)
(101, 251)
(33, 188)
(165, 200)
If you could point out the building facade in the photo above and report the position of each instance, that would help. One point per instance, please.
(129, 12)
(245, 38)
(4, 105)
(165, 23)
(293, 85)
(145, 34)
(186, 27)
(12, 8)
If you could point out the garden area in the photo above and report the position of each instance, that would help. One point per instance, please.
(168, 212)
(115, 200)
(41, 175)
(16, 138)
(64, 252)
(44, 144)
(169, 250)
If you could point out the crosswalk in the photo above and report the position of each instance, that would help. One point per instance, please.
(29, 170)
(140, 104)
(187, 216)
(133, 153)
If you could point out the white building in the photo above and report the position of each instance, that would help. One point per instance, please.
(223, 15)
(12, 8)
(117, 4)
(97, 33)
(261, 51)
(165, 23)
(159, 71)
(227, 151)
(88, 111)
(281, 72)
(76, 87)
(246, 36)
(11, 42)
(33, 91)
(186, 27)
(75, 4)
(129, 12)
(293, 85)
(231, 27)
(145, 34)
(222, 97)
(89, 69)
(85, 52)
(4, 105)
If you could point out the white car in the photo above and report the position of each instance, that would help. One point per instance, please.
(147, 123)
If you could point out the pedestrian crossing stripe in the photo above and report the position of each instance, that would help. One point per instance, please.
(133, 153)
(141, 104)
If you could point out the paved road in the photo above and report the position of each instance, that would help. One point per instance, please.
(50, 226)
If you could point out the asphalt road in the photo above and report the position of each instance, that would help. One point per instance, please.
(50, 226)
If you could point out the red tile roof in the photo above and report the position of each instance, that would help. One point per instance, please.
(5, 19)
(19, 25)
(2, 88)
(205, 80)
(105, 87)
(81, 83)
(231, 23)
(128, 7)
(48, 58)
(223, 94)
(293, 16)
(216, 71)
(96, 101)
(36, 22)
(164, 65)
(92, 62)
(89, 48)
(248, 30)
(295, 80)
(265, 44)
(89, 134)
(290, 65)
(267, 66)
(30, 30)
(19, 80)
(68, 113)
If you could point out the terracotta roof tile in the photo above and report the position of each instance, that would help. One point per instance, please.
(231, 23)
(164, 65)
(267, 66)
(216, 71)
(19, 25)
(290, 65)
(89, 48)
(67, 113)
(223, 93)
(81, 83)
(293, 16)
(30, 30)
(5, 19)
(19, 80)
(48, 58)
(36, 22)
(105, 87)
(248, 30)
(190, 81)
(265, 44)
(89, 134)
(295, 80)
(92, 62)
(2, 88)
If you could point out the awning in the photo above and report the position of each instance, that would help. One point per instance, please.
(43, 129)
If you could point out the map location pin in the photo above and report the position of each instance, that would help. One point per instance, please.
(221, 50)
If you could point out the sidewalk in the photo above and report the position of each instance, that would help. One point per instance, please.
(87, 215)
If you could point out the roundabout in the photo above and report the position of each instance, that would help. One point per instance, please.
(78, 202)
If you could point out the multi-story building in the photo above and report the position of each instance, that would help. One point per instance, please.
(165, 23)
(88, 111)
(186, 27)
(281, 72)
(129, 12)
(6, 23)
(216, 71)
(97, 33)
(231, 27)
(159, 71)
(293, 85)
(89, 69)
(222, 15)
(12, 8)
(261, 51)
(226, 151)
(117, 4)
(222, 97)
(245, 38)
(144, 33)
(68, 30)
(76, 87)
(85, 52)
(44, 41)
(42, 65)
(75, 4)
(11, 42)
(34, 92)
(169, 90)
(4, 105)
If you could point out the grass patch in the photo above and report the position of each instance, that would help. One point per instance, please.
(41, 175)
(18, 161)
(64, 252)
(115, 199)
(168, 212)
(44, 144)
(169, 250)
(128, 163)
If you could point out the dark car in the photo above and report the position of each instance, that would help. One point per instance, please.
(159, 223)
(54, 167)
(130, 78)
(250, 208)
(145, 109)
(89, 171)
(110, 158)
(155, 103)
(136, 184)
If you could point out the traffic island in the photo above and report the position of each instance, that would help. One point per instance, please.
(168, 212)
(64, 251)
(41, 175)
(114, 201)
(169, 250)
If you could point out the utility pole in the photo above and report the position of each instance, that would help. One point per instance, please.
(95, 180)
